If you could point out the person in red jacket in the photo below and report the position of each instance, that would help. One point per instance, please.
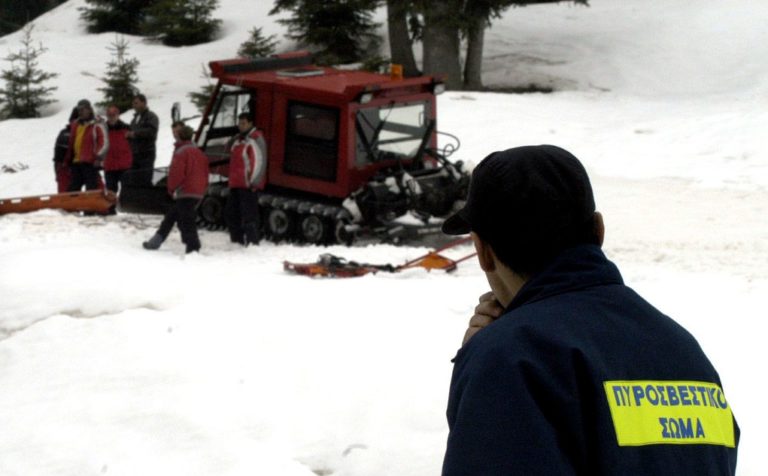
(187, 183)
(88, 146)
(119, 157)
(247, 174)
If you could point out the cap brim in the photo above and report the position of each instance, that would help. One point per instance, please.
(457, 224)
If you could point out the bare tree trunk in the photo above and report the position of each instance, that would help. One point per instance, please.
(400, 47)
(441, 41)
(473, 68)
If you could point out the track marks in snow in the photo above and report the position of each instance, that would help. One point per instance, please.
(7, 331)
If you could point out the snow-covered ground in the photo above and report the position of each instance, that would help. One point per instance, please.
(114, 360)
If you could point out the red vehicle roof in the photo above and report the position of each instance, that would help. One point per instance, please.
(297, 73)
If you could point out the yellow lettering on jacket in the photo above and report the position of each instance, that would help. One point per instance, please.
(658, 412)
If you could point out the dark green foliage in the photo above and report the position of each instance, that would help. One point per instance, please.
(121, 16)
(200, 98)
(174, 22)
(14, 14)
(121, 77)
(182, 22)
(257, 46)
(488, 9)
(376, 64)
(468, 11)
(25, 92)
(338, 31)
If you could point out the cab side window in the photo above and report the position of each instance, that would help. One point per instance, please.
(223, 121)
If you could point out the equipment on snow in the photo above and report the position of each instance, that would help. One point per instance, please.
(329, 265)
(98, 201)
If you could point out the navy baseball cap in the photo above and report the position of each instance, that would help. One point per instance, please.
(524, 195)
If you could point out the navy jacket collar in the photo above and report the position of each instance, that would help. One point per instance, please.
(576, 268)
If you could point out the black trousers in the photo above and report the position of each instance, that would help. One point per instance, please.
(242, 216)
(83, 174)
(143, 164)
(183, 213)
(113, 179)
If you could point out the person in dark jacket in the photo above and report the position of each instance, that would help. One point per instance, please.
(187, 183)
(87, 148)
(60, 167)
(142, 136)
(247, 174)
(564, 369)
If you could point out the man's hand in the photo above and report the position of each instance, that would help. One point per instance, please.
(487, 311)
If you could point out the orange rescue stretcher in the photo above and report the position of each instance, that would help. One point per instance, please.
(98, 201)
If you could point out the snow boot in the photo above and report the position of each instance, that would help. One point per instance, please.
(154, 242)
(252, 234)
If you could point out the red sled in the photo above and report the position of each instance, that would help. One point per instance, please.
(98, 201)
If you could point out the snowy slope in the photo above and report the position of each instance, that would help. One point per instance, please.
(119, 361)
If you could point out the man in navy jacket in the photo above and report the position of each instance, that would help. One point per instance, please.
(564, 369)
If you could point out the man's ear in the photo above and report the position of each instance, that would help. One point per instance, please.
(599, 228)
(485, 254)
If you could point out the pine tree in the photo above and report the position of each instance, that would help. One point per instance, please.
(121, 16)
(182, 22)
(25, 92)
(121, 76)
(257, 46)
(14, 14)
(200, 98)
(340, 31)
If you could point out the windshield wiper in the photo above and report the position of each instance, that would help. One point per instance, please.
(371, 146)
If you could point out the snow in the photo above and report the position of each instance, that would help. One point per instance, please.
(115, 360)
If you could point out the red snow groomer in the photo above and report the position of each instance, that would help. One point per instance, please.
(349, 152)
